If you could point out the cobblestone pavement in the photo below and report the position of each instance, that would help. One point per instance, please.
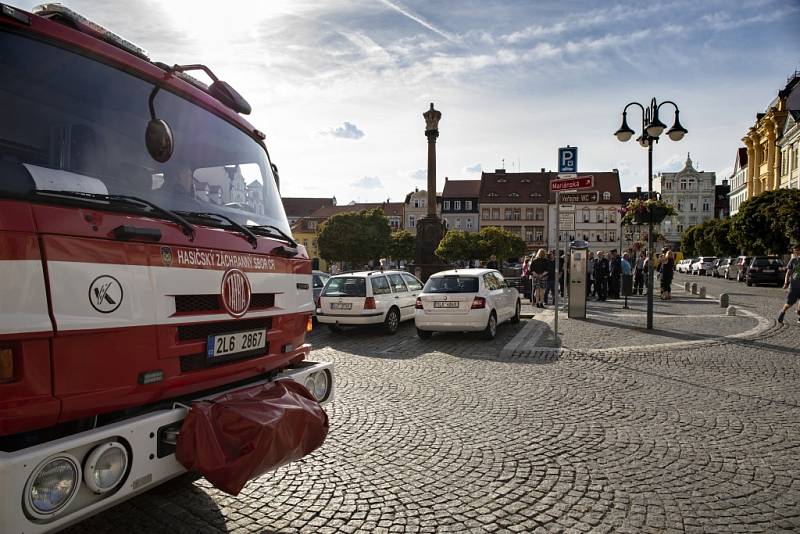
(447, 436)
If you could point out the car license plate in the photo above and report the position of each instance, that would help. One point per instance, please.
(226, 344)
(445, 304)
(769, 270)
(341, 306)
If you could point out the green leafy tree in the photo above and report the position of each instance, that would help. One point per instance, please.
(458, 245)
(500, 242)
(688, 244)
(401, 246)
(355, 237)
(768, 222)
(719, 233)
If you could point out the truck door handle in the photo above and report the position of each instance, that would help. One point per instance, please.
(126, 233)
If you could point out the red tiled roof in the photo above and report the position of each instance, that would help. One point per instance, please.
(303, 207)
(515, 187)
(391, 209)
(461, 189)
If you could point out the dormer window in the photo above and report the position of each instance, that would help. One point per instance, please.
(525, 181)
(501, 180)
(514, 195)
(535, 195)
(492, 195)
(606, 195)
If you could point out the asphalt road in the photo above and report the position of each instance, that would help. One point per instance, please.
(445, 436)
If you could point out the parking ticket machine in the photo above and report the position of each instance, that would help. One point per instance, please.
(578, 260)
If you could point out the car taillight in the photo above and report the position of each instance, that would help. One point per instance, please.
(478, 303)
(6, 365)
(369, 303)
(418, 304)
(755, 269)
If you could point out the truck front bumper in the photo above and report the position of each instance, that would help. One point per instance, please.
(151, 461)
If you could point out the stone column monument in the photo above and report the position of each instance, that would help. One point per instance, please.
(430, 228)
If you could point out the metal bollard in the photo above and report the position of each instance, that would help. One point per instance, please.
(703, 292)
(731, 311)
(694, 288)
(724, 300)
(686, 286)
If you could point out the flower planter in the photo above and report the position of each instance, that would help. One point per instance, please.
(659, 214)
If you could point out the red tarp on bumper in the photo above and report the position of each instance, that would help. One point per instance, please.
(240, 435)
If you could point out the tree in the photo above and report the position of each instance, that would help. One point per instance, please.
(458, 245)
(688, 244)
(355, 237)
(719, 232)
(500, 242)
(401, 246)
(768, 222)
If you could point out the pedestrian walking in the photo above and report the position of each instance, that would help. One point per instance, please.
(615, 268)
(667, 270)
(638, 273)
(539, 269)
(550, 288)
(601, 274)
(792, 283)
(492, 263)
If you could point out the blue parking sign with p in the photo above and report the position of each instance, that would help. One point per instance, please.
(568, 159)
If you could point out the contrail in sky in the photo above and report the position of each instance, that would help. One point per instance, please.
(422, 22)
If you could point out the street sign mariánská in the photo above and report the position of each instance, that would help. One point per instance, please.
(589, 197)
(566, 184)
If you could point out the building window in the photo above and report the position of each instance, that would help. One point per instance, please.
(529, 214)
(513, 195)
(612, 216)
(692, 184)
(538, 233)
(509, 213)
(469, 223)
(680, 228)
(458, 223)
(668, 185)
(680, 205)
(312, 225)
(485, 214)
(705, 204)
(683, 184)
(517, 214)
(585, 215)
(539, 214)
(492, 195)
(692, 207)
(305, 243)
(599, 215)
(468, 205)
(446, 205)
(612, 235)
(412, 221)
(495, 214)
(457, 205)
(529, 235)
(606, 195)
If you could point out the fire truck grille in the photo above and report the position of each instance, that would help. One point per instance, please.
(191, 332)
(187, 304)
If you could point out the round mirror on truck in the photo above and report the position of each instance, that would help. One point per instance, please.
(158, 136)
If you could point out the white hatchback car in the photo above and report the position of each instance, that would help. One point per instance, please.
(465, 300)
(368, 297)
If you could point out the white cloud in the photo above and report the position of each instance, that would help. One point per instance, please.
(473, 169)
(673, 164)
(368, 182)
(419, 174)
(348, 130)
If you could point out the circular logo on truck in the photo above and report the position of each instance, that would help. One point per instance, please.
(105, 294)
(235, 292)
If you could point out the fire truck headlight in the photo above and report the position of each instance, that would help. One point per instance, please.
(322, 385)
(52, 486)
(105, 467)
(309, 384)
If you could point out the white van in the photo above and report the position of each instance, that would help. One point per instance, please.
(368, 297)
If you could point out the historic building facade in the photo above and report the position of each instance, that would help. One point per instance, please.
(416, 207)
(460, 201)
(597, 223)
(788, 147)
(738, 181)
(517, 202)
(692, 193)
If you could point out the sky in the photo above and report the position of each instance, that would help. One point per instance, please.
(339, 87)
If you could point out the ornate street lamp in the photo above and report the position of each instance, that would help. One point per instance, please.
(652, 128)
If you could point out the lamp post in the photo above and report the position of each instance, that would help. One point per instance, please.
(652, 128)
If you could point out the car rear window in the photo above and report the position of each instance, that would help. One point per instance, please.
(319, 281)
(345, 286)
(451, 284)
(764, 262)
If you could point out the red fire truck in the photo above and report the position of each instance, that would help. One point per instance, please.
(146, 267)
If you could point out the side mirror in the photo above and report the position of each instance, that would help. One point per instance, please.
(158, 138)
(158, 135)
(226, 94)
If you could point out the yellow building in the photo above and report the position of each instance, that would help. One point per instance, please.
(764, 156)
(304, 232)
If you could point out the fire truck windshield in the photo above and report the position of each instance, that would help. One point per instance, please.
(72, 123)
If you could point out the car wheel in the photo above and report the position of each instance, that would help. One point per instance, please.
(335, 328)
(491, 327)
(424, 334)
(392, 321)
(515, 319)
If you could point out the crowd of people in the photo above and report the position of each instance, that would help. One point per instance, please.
(605, 274)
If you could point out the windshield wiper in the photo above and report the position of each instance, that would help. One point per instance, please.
(249, 235)
(185, 225)
(274, 230)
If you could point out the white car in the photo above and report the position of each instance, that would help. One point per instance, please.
(368, 297)
(466, 300)
(702, 265)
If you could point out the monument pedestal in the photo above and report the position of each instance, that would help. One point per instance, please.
(430, 231)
